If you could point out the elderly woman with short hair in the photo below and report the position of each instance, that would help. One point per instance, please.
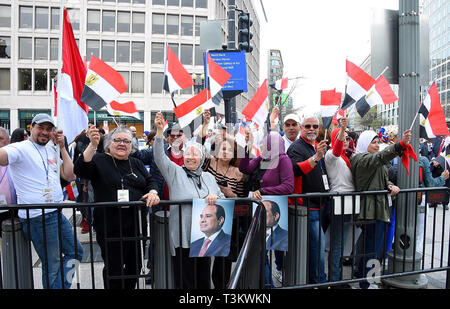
(185, 182)
(117, 177)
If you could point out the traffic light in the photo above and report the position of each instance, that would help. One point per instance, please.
(245, 35)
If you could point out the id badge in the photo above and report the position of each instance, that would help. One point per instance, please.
(123, 196)
(389, 200)
(3, 200)
(48, 196)
(325, 182)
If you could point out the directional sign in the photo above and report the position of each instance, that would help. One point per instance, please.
(233, 62)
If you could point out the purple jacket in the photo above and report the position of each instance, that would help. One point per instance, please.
(279, 177)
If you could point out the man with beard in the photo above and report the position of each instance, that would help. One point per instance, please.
(34, 170)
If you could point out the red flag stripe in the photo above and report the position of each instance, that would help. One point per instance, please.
(385, 91)
(216, 72)
(127, 107)
(359, 76)
(330, 97)
(177, 70)
(255, 103)
(436, 115)
(114, 78)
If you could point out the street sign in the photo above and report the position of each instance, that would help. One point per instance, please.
(233, 62)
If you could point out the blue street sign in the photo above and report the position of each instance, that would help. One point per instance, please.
(233, 62)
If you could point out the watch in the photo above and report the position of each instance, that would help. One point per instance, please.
(314, 159)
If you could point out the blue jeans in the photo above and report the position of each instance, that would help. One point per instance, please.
(316, 265)
(53, 267)
(338, 237)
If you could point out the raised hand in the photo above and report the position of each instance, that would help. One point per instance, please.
(94, 135)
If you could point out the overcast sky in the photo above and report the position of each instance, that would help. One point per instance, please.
(315, 38)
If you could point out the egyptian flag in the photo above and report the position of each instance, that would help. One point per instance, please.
(175, 75)
(431, 115)
(103, 84)
(380, 93)
(216, 76)
(258, 108)
(359, 82)
(115, 108)
(192, 108)
(70, 192)
(282, 84)
(72, 113)
(166, 126)
(330, 100)
(240, 140)
(340, 114)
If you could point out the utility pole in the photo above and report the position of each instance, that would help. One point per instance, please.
(403, 257)
(230, 103)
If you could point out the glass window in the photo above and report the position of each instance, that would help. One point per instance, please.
(5, 16)
(139, 1)
(138, 22)
(108, 51)
(158, 23)
(159, 2)
(186, 54)
(5, 79)
(199, 19)
(92, 48)
(187, 25)
(173, 2)
(157, 80)
(137, 82)
(93, 20)
(123, 21)
(123, 1)
(25, 17)
(24, 79)
(53, 75)
(40, 49)
(172, 24)
(74, 16)
(198, 56)
(201, 4)
(126, 77)
(123, 51)
(55, 18)
(157, 53)
(174, 48)
(5, 47)
(109, 21)
(25, 48)
(138, 52)
(187, 3)
(40, 79)
(41, 20)
(54, 49)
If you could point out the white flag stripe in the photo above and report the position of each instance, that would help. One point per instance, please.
(173, 86)
(373, 97)
(261, 115)
(328, 110)
(427, 102)
(189, 117)
(355, 90)
(102, 88)
(214, 86)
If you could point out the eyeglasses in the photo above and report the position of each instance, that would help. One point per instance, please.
(176, 135)
(122, 141)
(308, 126)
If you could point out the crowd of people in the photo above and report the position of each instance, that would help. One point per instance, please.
(296, 156)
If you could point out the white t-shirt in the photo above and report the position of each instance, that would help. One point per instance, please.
(287, 142)
(29, 165)
(339, 175)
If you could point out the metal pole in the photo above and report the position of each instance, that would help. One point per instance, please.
(409, 97)
(230, 103)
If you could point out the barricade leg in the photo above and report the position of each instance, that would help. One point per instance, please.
(163, 267)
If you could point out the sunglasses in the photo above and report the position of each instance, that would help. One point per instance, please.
(176, 135)
(308, 126)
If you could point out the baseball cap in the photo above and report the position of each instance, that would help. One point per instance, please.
(291, 117)
(41, 118)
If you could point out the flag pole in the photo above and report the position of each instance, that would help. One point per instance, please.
(385, 69)
(58, 82)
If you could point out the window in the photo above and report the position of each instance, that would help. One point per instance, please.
(25, 48)
(123, 1)
(123, 21)
(187, 27)
(138, 22)
(54, 49)
(5, 47)
(55, 18)
(138, 52)
(74, 16)
(198, 56)
(159, 2)
(198, 20)
(173, 2)
(139, 1)
(5, 79)
(186, 54)
(24, 79)
(158, 23)
(40, 49)
(93, 20)
(157, 80)
(137, 82)
(25, 17)
(108, 51)
(40, 79)
(5, 16)
(158, 53)
(123, 51)
(126, 77)
(187, 3)
(172, 24)
(41, 20)
(109, 21)
(92, 48)
(201, 4)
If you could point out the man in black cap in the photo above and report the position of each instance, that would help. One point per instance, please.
(34, 165)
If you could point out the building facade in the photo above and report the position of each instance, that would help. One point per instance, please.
(129, 35)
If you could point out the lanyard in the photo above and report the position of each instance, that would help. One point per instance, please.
(46, 168)
(6, 170)
(121, 177)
